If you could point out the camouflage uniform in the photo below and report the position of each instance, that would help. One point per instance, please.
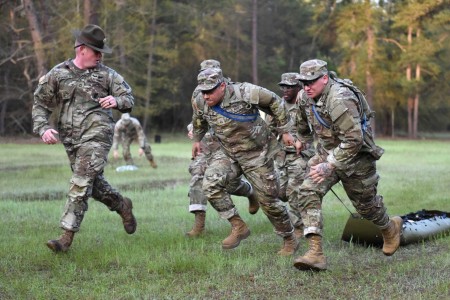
(292, 167)
(346, 146)
(213, 159)
(210, 147)
(250, 145)
(126, 130)
(85, 130)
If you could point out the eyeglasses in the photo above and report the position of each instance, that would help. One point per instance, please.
(310, 82)
(287, 87)
(209, 92)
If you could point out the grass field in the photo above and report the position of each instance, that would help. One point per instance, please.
(159, 262)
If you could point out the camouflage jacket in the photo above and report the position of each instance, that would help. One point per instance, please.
(236, 137)
(339, 109)
(209, 143)
(300, 128)
(128, 128)
(74, 94)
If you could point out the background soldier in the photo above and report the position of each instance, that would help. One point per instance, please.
(231, 110)
(291, 166)
(127, 130)
(346, 152)
(84, 91)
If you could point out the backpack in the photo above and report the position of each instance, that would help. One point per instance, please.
(365, 114)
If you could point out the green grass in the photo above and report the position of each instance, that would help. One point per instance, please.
(159, 262)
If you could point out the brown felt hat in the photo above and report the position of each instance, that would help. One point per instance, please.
(93, 37)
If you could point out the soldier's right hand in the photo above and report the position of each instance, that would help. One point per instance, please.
(49, 136)
(190, 134)
(195, 149)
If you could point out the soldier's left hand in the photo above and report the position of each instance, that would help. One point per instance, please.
(299, 146)
(141, 151)
(320, 172)
(196, 149)
(108, 102)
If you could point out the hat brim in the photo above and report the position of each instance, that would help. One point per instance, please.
(288, 83)
(78, 37)
(307, 77)
(207, 87)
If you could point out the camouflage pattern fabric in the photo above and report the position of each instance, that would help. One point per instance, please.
(250, 145)
(85, 129)
(209, 63)
(125, 132)
(343, 146)
(219, 170)
(210, 152)
(312, 69)
(291, 167)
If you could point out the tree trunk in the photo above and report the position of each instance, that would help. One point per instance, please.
(36, 35)
(369, 78)
(416, 98)
(255, 41)
(410, 107)
(148, 87)
(90, 11)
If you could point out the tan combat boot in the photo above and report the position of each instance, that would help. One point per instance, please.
(63, 243)
(153, 164)
(391, 236)
(313, 258)
(291, 244)
(298, 232)
(253, 203)
(199, 224)
(239, 232)
(128, 219)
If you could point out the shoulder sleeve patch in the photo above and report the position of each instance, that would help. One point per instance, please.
(118, 79)
(254, 95)
(338, 111)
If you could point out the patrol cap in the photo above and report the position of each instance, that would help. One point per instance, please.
(289, 79)
(312, 69)
(209, 79)
(209, 63)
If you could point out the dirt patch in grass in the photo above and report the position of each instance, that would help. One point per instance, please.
(58, 195)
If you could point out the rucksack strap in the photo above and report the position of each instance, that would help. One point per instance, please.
(235, 117)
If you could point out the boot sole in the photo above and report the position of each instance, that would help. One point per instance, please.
(243, 237)
(303, 266)
(253, 211)
(55, 246)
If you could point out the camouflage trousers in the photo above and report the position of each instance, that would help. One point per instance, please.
(87, 161)
(360, 183)
(264, 181)
(291, 170)
(236, 185)
(126, 142)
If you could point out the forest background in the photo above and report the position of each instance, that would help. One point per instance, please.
(396, 51)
